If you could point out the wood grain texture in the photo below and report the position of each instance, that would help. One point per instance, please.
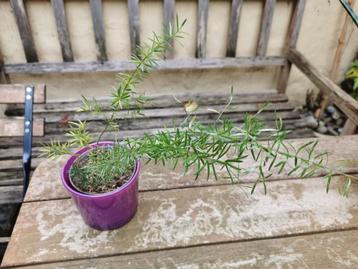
(291, 125)
(10, 194)
(283, 109)
(62, 30)
(3, 244)
(339, 97)
(4, 78)
(10, 127)
(134, 24)
(265, 29)
(124, 66)
(98, 27)
(38, 141)
(13, 164)
(169, 19)
(336, 250)
(15, 152)
(295, 24)
(291, 41)
(11, 181)
(15, 93)
(46, 185)
(291, 122)
(236, 6)
(341, 44)
(24, 28)
(166, 101)
(349, 128)
(8, 215)
(182, 218)
(202, 25)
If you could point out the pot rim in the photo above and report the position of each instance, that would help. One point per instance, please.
(79, 153)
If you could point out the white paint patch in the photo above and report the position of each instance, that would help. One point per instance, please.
(187, 266)
(74, 233)
(40, 253)
(238, 264)
(46, 179)
(284, 261)
(165, 227)
(221, 213)
(340, 254)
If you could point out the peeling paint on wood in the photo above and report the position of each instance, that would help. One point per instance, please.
(310, 251)
(178, 218)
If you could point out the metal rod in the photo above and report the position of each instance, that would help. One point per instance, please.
(350, 11)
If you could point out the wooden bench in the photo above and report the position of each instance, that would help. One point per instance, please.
(57, 114)
(12, 190)
(232, 60)
(163, 109)
(183, 223)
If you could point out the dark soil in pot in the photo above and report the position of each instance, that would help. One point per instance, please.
(91, 177)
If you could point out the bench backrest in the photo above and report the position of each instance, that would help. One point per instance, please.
(200, 62)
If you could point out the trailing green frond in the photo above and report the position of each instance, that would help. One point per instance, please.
(145, 60)
(79, 136)
(220, 149)
(55, 149)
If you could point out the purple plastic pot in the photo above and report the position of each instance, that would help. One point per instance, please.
(109, 210)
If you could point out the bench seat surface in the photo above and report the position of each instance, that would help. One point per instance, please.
(211, 223)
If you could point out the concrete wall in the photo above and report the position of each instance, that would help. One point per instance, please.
(321, 27)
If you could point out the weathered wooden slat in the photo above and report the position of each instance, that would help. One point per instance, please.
(62, 30)
(10, 194)
(15, 93)
(158, 123)
(123, 66)
(169, 19)
(17, 164)
(295, 25)
(177, 113)
(291, 252)
(10, 127)
(339, 97)
(58, 123)
(291, 125)
(181, 218)
(266, 24)
(8, 214)
(165, 112)
(12, 174)
(202, 25)
(11, 182)
(16, 152)
(291, 41)
(24, 28)
(233, 33)
(134, 24)
(45, 183)
(3, 244)
(161, 101)
(349, 128)
(4, 78)
(7, 142)
(98, 27)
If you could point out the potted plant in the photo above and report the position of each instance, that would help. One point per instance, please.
(102, 176)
